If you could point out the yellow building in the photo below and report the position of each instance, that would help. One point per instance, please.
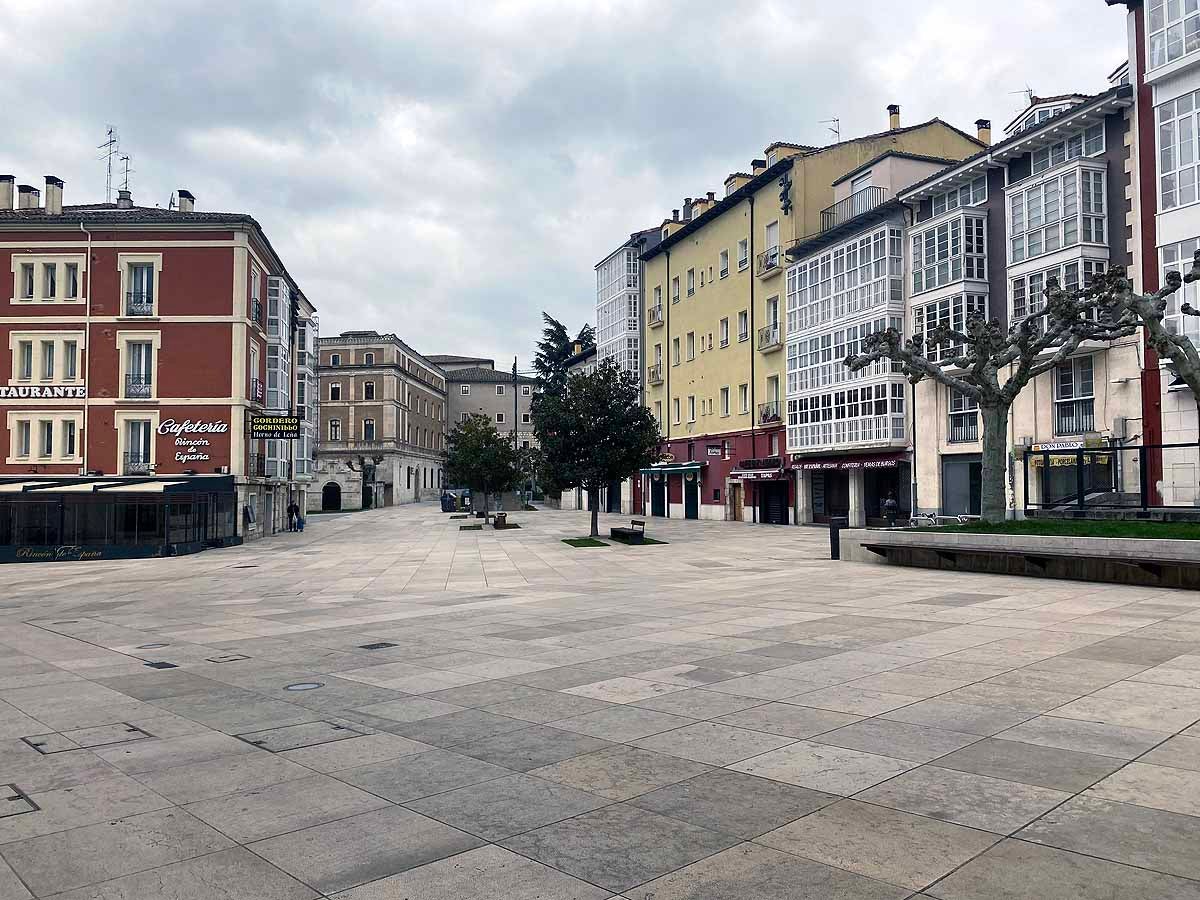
(714, 324)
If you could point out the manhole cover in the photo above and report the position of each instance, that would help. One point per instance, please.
(151, 646)
(14, 801)
(160, 665)
(84, 738)
(304, 686)
(293, 737)
(225, 657)
(382, 645)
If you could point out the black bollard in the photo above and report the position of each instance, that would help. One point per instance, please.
(836, 524)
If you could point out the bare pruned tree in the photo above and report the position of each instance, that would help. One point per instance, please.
(1114, 295)
(992, 366)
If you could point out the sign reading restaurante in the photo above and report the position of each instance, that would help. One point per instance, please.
(43, 392)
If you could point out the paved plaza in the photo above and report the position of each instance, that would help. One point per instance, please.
(387, 707)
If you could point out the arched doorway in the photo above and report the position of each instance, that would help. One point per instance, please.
(331, 497)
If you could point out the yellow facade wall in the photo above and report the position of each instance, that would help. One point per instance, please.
(715, 298)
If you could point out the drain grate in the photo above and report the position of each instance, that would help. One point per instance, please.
(251, 566)
(86, 738)
(150, 646)
(381, 645)
(293, 737)
(160, 665)
(14, 801)
(225, 657)
(304, 686)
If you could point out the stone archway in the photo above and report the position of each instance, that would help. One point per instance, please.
(331, 497)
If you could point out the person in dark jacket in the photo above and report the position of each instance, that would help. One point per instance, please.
(293, 512)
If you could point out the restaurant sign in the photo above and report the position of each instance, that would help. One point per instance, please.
(846, 464)
(191, 437)
(275, 428)
(43, 392)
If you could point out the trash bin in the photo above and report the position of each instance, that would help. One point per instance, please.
(836, 524)
(447, 503)
(501, 520)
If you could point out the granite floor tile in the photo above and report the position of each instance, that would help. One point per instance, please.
(889, 845)
(410, 709)
(458, 728)
(955, 716)
(751, 872)
(93, 853)
(224, 775)
(918, 743)
(1062, 770)
(1084, 737)
(1017, 870)
(532, 747)
(712, 743)
(788, 719)
(359, 751)
(86, 804)
(547, 706)
(620, 772)
(264, 812)
(349, 852)
(619, 846)
(821, 767)
(1158, 787)
(1134, 835)
(235, 874)
(506, 806)
(412, 777)
(622, 723)
(11, 887)
(623, 689)
(698, 703)
(733, 803)
(977, 801)
(1178, 752)
(487, 873)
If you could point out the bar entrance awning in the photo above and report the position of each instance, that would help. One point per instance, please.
(675, 468)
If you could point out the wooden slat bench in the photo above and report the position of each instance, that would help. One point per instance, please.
(634, 534)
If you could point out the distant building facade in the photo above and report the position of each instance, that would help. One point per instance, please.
(383, 424)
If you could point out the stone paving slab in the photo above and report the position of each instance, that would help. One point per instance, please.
(727, 715)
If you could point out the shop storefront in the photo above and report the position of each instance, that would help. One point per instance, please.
(764, 485)
(675, 488)
(854, 487)
(71, 518)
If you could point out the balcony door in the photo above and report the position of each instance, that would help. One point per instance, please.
(139, 369)
(138, 435)
(141, 290)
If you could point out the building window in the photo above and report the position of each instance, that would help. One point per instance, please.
(335, 359)
(972, 194)
(675, 289)
(139, 447)
(335, 429)
(1059, 212)
(499, 390)
(1074, 400)
(658, 412)
(1178, 258)
(952, 312)
(335, 391)
(850, 278)
(1027, 290)
(499, 418)
(743, 325)
(658, 296)
(368, 359)
(691, 345)
(369, 390)
(725, 401)
(465, 390)
(526, 390)
(25, 361)
(1089, 142)
(22, 448)
(949, 252)
(964, 417)
(868, 414)
(26, 277)
(675, 403)
(49, 281)
(464, 417)
(70, 360)
(674, 351)
(525, 420)
(743, 398)
(1174, 29)
(139, 295)
(139, 369)
(368, 429)
(691, 408)
(743, 250)
(724, 263)
(723, 332)
(691, 282)
(1177, 150)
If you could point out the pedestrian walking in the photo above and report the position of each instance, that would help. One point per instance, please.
(890, 509)
(293, 512)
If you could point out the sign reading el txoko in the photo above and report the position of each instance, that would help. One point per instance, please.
(192, 441)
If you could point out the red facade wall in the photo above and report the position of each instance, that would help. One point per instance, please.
(741, 446)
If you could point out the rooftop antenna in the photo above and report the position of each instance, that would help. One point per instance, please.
(1028, 93)
(110, 148)
(125, 181)
(835, 126)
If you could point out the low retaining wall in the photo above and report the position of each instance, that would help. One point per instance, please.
(1111, 560)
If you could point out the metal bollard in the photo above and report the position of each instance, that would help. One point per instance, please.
(836, 524)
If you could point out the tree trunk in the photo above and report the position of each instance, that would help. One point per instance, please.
(486, 518)
(993, 476)
(594, 506)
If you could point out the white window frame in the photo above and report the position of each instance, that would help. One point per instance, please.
(1086, 142)
(973, 194)
(1080, 213)
(335, 359)
(499, 418)
(725, 402)
(26, 425)
(723, 268)
(723, 331)
(743, 399)
(121, 420)
(365, 422)
(124, 262)
(743, 325)
(1168, 37)
(1078, 398)
(1178, 143)
(334, 425)
(37, 373)
(124, 339)
(464, 390)
(743, 249)
(1178, 257)
(58, 262)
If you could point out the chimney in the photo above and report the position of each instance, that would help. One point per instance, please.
(674, 215)
(983, 130)
(893, 116)
(687, 209)
(6, 191)
(28, 197)
(187, 203)
(124, 200)
(712, 196)
(54, 191)
(577, 348)
(758, 166)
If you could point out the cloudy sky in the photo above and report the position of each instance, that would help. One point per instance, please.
(447, 170)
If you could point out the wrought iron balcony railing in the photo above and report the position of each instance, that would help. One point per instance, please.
(138, 387)
(964, 427)
(654, 315)
(1074, 416)
(654, 374)
(139, 303)
(768, 413)
(769, 336)
(137, 462)
(768, 262)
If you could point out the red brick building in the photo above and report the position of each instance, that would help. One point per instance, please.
(138, 343)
